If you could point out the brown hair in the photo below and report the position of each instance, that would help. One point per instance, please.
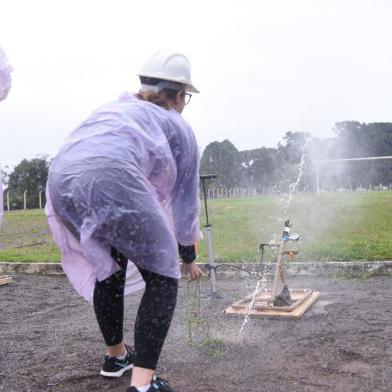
(161, 99)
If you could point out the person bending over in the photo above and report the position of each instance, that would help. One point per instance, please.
(122, 204)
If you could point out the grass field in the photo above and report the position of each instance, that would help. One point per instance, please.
(25, 237)
(333, 226)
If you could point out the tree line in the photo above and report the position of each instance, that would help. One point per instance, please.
(268, 170)
(273, 170)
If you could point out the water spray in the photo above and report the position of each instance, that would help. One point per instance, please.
(278, 300)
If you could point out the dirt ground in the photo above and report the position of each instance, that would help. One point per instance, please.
(49, 340)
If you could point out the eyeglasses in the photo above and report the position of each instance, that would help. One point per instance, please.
(187, 98)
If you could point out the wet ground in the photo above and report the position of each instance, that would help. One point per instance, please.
(49, 340)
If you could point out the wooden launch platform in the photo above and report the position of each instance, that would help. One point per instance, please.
(5, 279)
(260, 305)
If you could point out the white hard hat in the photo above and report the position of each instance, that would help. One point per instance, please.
(169, 65)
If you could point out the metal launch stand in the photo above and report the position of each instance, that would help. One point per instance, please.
(279, 301)
(211, 265)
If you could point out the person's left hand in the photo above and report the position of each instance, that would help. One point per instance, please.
(193, 271)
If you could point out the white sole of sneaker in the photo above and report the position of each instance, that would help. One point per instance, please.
(119, 373)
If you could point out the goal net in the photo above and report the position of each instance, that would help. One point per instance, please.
(354, 174)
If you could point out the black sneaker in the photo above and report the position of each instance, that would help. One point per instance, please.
(158, 384)
(114, 367)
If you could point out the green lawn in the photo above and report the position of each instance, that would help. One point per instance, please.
(25, 237)
(333, 226)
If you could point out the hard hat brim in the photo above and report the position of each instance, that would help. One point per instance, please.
(191, 89)
(188, 87)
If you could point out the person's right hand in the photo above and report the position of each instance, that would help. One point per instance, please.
(193, 271)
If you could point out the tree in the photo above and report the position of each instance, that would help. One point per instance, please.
(4, 175)
(258, 168)
(294, 161)
(31, 176)
(221, 158)
(357, 140)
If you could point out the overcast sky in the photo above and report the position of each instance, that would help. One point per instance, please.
(263, 67)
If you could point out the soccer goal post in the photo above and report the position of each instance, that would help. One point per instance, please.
(354, 174)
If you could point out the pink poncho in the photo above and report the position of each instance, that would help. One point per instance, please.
(5, 75)
(127, 178)
(5, 86)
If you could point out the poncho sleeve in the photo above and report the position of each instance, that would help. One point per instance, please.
(186, 199)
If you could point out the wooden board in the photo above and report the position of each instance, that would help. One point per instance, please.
(263, 299)
(5, 279)
(274, 312)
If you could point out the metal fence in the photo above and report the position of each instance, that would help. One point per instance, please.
(213, 193)
(8, 201)
(225, 193)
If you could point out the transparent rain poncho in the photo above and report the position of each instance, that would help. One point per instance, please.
(5, 75)
(5, 86)
(1, 199)
(128, 178)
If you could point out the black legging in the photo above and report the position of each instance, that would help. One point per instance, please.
(153, 317)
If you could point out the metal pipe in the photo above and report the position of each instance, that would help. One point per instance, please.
(211, 260)
(24, 200)
(40, 199)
